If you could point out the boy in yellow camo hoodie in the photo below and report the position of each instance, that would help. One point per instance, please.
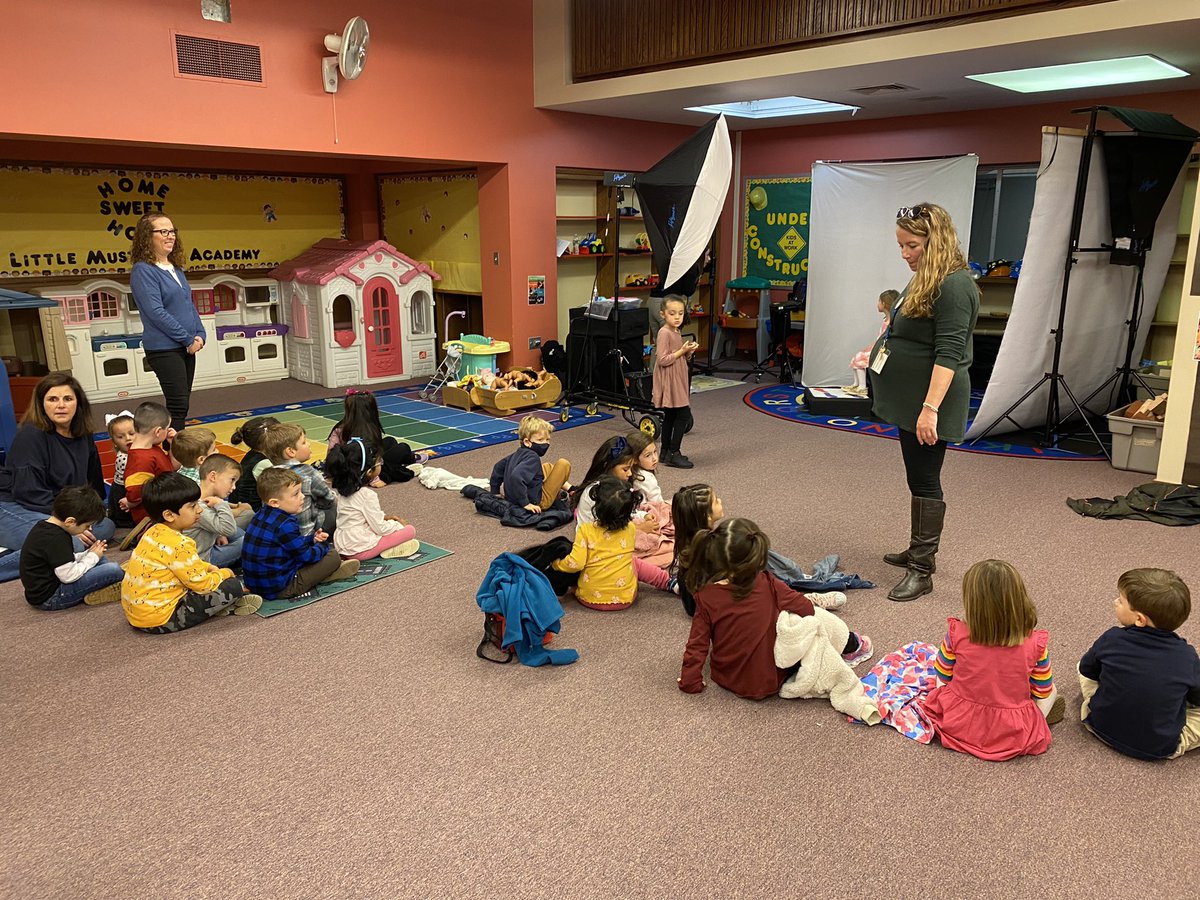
(167, 586)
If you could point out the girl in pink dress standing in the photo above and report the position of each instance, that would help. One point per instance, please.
(995, 697)
(672, 393)
(862, 359)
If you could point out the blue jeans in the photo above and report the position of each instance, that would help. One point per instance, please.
(229, 555)
(99, 576)
(15, 524)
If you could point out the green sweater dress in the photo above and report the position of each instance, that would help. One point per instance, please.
(915, 346)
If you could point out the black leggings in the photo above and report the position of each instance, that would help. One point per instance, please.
(175, 370)
(922, 465)
(676, 421)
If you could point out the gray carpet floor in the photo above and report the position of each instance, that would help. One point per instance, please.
(357, 747)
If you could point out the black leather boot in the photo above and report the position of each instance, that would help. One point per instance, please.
(900, 560)
(928, 516)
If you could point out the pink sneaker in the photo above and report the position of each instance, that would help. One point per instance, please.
(862, 654)
(827, 600)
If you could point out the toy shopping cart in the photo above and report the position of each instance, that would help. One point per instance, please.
(446, 371)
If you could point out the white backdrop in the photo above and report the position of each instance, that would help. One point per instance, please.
(853, 255)
(1098, 302)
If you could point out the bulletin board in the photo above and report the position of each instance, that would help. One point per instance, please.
(775, 224)
(75, 221)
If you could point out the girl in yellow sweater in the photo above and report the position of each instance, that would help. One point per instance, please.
(603, 552)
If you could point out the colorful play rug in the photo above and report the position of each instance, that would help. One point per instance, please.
(788, 403)
(442, 430)
(371, 570)
(702, 383)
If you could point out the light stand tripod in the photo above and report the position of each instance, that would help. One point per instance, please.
(1142, 167)
(1054, 377)
(777, 352)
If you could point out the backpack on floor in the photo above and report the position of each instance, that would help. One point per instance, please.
(491, 647)
(554, 359)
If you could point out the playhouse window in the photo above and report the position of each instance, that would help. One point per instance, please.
(299, 321)
(203, 301)
(225, 297)
(74, 310)
(103, 305)
(422, 320)
(343, 321)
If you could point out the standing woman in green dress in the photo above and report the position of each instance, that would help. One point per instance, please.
(919, 377)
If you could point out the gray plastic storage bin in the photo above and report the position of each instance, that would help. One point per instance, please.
(1135, 443)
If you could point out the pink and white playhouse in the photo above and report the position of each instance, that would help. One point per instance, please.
(357, 312)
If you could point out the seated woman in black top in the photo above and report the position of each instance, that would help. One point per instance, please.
(53, 449)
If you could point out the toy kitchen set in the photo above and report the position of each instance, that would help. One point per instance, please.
(103, 334)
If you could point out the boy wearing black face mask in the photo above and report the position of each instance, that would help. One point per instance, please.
(525, 479)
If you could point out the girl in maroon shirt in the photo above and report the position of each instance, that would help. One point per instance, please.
(737, 603)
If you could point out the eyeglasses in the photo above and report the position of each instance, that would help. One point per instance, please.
(912, 212)
(165, 231)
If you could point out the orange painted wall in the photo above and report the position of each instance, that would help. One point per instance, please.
(446, 85)
(998, 136)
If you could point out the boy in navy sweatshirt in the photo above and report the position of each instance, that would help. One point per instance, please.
(526, 480)
(1141, 681)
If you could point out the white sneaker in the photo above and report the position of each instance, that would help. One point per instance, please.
(827, 600)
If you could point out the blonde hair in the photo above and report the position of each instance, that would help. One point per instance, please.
(941, 256)
(190, 444)
(532, 426)
(279, 438)
(998, 610)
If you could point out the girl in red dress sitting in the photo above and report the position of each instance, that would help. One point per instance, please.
(995, 697)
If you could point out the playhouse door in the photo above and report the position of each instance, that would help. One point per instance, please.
(382, 344)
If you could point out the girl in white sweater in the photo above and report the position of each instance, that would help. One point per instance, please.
(363, 531)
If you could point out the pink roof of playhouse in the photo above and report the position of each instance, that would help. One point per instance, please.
(331, 257)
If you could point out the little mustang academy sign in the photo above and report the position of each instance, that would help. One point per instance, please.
(58, 221)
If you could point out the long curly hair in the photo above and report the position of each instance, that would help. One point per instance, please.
(143, 243)
(942, 256)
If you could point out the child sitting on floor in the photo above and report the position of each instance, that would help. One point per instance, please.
(1141, 681)
(167, 587)
(737, 604)
(190, 448)
(525, 479)
(53, 574)
(287, 447)
(360, 418)
(363, 531)
(696, 507)
(218, 533)
(277, 559)
(995, 697)
(614, 457)
(120, 432)
(252, 432)
(147, 457)
(645, 468)
(603, 551)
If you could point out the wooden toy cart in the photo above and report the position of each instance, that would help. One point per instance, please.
(502, 403)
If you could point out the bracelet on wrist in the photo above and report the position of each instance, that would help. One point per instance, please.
(929, 406)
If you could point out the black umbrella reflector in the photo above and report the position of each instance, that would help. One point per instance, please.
(681, 198)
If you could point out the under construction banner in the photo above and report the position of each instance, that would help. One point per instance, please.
(775, 229)
(67, 221)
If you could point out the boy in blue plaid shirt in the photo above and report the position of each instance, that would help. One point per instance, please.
(286, 445)
(277, 559)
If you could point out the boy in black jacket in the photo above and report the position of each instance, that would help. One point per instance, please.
(526, 480)
(1141, 681)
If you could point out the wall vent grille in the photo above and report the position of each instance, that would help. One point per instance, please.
(223, 60)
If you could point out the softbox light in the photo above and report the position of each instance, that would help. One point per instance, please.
(681, 198)
(1142, 166)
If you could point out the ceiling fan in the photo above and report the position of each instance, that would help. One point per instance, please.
(351, 49)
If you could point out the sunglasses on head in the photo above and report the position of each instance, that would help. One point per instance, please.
(912, 212)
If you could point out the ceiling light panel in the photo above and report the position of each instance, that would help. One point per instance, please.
(1097, 73)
